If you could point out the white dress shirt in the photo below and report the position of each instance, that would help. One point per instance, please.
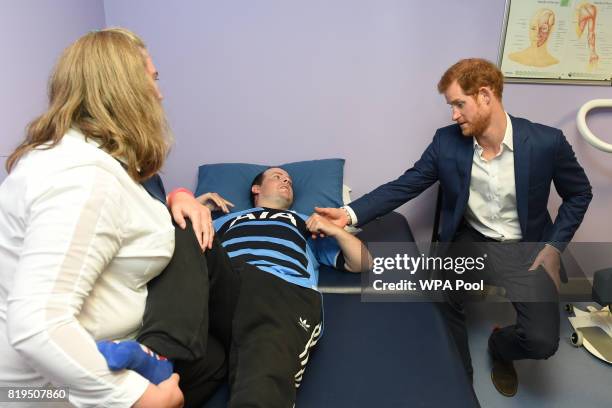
(491, 208)
(79, 240)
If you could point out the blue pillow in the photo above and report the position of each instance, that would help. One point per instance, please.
(315, 183)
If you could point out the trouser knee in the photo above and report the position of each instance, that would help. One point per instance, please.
(539, 346)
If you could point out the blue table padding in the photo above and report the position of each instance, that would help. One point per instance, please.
(381, 355)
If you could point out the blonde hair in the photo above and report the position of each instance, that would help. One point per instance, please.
(100, 86)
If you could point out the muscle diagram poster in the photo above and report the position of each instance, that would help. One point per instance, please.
(557, 40)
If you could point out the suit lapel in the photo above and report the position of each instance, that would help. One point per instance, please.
(465, 158)
(522, 153)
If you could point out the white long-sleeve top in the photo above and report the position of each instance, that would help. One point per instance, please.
(79, 240)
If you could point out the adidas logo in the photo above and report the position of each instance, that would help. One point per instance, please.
(304, 324)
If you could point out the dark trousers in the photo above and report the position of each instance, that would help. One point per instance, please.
(535, 335)
(213, 318)
(275, 326)
(189, 312)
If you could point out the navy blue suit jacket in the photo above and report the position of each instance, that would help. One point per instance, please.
(542, 156)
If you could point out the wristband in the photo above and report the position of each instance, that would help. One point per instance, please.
(175, 192)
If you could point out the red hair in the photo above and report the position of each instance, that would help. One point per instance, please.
(471, 74)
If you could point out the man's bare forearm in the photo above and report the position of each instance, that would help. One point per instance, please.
(357, 258)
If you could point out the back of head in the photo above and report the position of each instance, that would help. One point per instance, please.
(257, 180)
(100, 86)
(471, 74)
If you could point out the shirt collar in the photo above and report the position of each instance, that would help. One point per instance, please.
(508, 136)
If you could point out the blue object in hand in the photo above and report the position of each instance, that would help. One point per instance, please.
(132, 355)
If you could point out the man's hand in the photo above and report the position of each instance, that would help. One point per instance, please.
(165, 395)
(357, 258)
(184, 205)
(215, 202)
(337, 216)
(320, 226)
(550, 259)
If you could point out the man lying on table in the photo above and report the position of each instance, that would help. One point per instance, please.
(253, 297)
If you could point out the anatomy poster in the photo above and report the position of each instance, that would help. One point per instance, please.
(558, 40)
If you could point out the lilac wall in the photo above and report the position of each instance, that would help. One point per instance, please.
(32, 35)
(273, 81)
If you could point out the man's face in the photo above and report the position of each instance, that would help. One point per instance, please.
(469, 111)
(276, 187)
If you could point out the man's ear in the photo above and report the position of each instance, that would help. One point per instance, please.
(487, 94)
(255, 189)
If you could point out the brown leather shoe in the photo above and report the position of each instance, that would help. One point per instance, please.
(504, 377)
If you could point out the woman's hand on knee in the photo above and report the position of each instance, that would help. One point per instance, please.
(186, 206)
